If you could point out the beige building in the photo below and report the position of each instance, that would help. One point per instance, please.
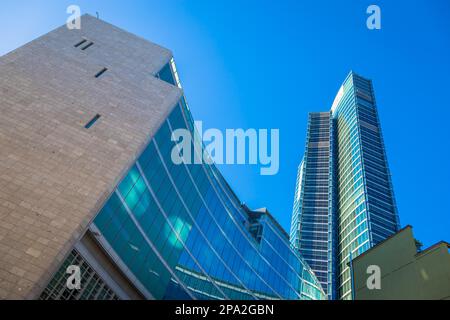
(406, 272)
(55, 174)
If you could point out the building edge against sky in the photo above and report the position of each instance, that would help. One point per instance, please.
(331, 224)
(87, 180)
(407, 272)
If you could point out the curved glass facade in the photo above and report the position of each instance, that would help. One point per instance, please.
(180, 232)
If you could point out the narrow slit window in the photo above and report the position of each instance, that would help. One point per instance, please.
(80, 43)
(101, 72)
(93, 120)
(87, 46)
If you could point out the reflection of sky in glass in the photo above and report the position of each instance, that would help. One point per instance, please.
(180, 227)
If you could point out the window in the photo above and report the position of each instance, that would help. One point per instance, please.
(80, 43)
(87, 46)
(101, 72)
(93, 120)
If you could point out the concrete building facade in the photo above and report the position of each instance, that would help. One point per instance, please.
(406, 271)
(54, 173)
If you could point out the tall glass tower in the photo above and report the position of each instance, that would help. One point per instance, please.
(344, 202)
(312, 218)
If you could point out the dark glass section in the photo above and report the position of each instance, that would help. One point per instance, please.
(167, 75)
(92, 121)
(312, 220)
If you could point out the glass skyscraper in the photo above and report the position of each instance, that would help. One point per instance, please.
(312, 225)
(344, 202)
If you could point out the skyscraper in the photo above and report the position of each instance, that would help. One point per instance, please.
(312, 225)
(344, 202)
(88, 185)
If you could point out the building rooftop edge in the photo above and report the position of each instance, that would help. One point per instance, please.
(407, 227)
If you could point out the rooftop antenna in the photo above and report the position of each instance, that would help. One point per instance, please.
(98, 16)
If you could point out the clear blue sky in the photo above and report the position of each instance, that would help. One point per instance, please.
(266, 64)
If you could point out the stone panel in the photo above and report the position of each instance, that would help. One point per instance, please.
(54, 173)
